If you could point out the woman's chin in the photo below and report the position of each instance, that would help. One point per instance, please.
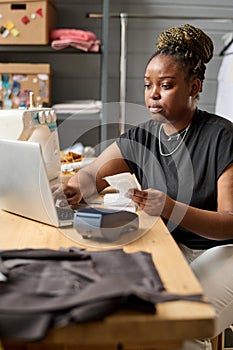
(158, 117)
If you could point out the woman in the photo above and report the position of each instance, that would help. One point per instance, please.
(183, 159)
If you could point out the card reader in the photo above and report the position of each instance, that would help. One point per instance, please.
(102, 224)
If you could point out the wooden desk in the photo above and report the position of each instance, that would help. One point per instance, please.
(167, 329)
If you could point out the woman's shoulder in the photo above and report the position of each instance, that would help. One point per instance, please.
(213, 121)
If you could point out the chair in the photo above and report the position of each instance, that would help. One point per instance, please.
(218, 343)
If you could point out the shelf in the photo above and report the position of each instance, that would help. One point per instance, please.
(78, 116)
(12, 52)
(42, 49)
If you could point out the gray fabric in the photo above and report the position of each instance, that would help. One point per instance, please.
(47, 288)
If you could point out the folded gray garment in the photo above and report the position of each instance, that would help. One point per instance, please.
(53, 288)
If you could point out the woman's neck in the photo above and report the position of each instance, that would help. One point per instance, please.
(176, 126)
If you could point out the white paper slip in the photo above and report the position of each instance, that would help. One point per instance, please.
(117, 201)
(122, 183)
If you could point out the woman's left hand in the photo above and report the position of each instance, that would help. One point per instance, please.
(151, 201)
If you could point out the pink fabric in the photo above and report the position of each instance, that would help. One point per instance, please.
(91, 46)
(73, 34)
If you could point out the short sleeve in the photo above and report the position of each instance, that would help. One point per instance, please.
(225, 148)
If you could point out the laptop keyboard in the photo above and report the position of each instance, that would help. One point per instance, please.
(65, 214)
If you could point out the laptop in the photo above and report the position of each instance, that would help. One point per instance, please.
(25, 188)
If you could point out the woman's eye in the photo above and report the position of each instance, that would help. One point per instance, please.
(165, 86)
(147, 85)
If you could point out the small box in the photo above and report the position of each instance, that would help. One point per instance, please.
(17, 80)
(26, 22)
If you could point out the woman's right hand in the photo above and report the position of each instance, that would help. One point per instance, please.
(66, 194)
(89, 181)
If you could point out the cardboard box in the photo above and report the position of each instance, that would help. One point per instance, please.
(17, 80)
(26, 22)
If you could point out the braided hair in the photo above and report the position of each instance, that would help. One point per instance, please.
(189, 45)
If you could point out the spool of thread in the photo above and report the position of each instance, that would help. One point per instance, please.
(31, 99)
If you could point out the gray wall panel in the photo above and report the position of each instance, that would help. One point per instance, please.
(141, 39)
(77, 76)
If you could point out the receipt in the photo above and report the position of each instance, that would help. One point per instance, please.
(122, 183)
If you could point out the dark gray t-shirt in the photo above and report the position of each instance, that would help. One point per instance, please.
(190, 174)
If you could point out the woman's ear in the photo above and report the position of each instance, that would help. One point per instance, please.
(196, 87)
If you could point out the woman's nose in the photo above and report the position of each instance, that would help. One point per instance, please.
(155, 94)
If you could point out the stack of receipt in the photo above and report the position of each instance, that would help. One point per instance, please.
(122, 183)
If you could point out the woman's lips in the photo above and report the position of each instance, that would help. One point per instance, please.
(154, 109)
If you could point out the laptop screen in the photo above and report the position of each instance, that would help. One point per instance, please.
(25, 188)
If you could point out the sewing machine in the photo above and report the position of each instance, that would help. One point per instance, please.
(34, 125)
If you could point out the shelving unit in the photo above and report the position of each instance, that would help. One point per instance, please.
(43, 50)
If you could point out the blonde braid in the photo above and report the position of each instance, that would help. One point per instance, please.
(192, 41)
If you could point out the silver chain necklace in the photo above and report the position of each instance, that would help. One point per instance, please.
(185, 131)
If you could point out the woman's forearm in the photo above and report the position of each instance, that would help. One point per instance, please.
(208, 224)
(87, 183)
(90, 180)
